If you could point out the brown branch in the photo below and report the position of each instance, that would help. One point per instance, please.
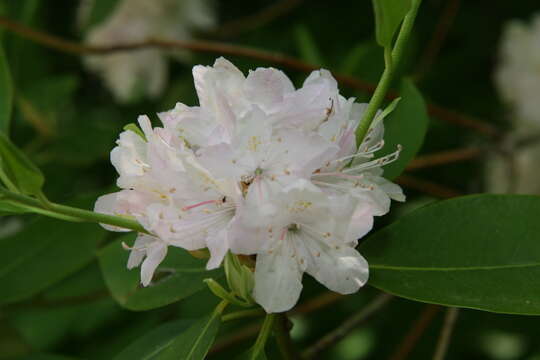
(439, 36)
(465, 121)
(319, 302)
(415, 332)
(427, 187)
(344, 329)
(254, 21)
(444, 157)
(239, 336)
(446, 334)
(282, 330)
(214, 47)
(251, 330)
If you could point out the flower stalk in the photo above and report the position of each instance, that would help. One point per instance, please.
(264, 334)
(392, 60)
(69, 213)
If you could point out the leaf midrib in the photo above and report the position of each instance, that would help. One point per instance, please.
(463, 268)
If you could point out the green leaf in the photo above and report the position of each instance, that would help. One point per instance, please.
(6, 93)
(18, 169)
(43, 253)
(46, 357)
(405, 126)
(388, 16)
(194, 343)
(181, 275)
(98, 11)
(307, 46)
(356, 58)
(248, 355)
(152, 344)
(480, 251)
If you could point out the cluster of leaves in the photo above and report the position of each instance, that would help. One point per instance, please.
(65, 288)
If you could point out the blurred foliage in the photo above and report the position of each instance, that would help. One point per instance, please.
(66, 121)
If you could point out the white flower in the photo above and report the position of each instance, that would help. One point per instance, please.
(306, 234)
(517, 170)
(143, 72)
(166, 191)
(150, 249)
(258, 168)
(518, 73)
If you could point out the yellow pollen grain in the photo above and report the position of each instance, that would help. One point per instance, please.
(300, 206)
(253, 143)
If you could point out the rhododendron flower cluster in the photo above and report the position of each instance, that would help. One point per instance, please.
(259, 168)
(518, 82)
(518, 74)
(143, 72)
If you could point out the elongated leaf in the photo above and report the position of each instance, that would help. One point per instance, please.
(151, 345)
(248, 355)
(46, 357)
(43, 253)
(388, 17)
(6, 93)
(480, 252)
(20, 171)
(194, 343)
(307, 46)
(182, 276)
(96, 12)
(405, 126)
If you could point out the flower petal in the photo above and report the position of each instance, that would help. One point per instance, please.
(155, 253)
(278, 279)
(341, 268)
(267, 87)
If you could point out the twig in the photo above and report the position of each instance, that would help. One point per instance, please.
(446, 333)
(282, 330)
(444, 157)
(427, 187)
(256, 20)
(251, 330)
(237, 337)
(344, 329)
(243, 314)
(317, 303)
(213, 47)
(439, 36)
(463, 120)
(415, 332)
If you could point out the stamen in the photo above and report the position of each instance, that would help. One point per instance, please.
(132, 248)
(367, 153)
(340, 175)
(186, 208)
(385, 160)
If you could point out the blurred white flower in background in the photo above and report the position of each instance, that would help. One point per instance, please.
(144, 72)
(517, 77)
(259, 168)
(518, 73)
